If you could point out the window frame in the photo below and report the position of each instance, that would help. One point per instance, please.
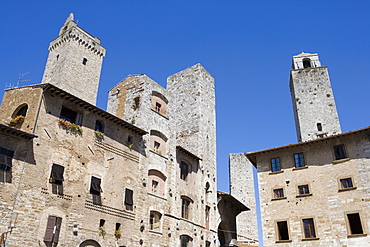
(311, 229)
(57, 179)
(277, 196)
(273, 164)
(299, 160)
(339, 152)
(299, 194)
(349, 225)
(6, 165)
(52, 231)
(342, 186)
(155, 220)
(186, 207)
(277, 231)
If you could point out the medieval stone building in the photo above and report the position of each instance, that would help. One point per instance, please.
(314, 192)
(142, 173)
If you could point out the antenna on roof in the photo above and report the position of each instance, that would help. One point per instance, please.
(20, 78)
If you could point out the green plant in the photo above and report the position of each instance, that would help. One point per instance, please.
(130, 145)
(102, 231)
(99, 134)
(16, 120)
(133, 121)
(69, 126)
(117, 233)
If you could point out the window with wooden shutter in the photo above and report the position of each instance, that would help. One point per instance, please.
(129, 197)
(95, 190)
(6, 159)
(53, 229)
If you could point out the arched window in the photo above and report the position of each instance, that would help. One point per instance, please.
(156, 182)
(185, 240)
(158, 142)
(186, 207)
(159, 103)
(319, 127)
(98, 126)
(155, 221)
(306, 63)
(21, 111)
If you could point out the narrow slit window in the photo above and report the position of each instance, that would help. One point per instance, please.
(319, 126)
(84, 61)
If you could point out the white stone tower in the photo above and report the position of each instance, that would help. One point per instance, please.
(74, 62)
(313, 100)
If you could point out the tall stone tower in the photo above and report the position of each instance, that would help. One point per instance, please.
(313, 100)
(74, 62)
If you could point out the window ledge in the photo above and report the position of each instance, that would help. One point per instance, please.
(271, 173)
(300, 168)
(310, 239)
(303, 195)
(160, 114)
(160, 197)
(155, 232)
(276, 199)
(283, 241)
(356, 235)
(346, 189)
(158, 154)
(341, 160)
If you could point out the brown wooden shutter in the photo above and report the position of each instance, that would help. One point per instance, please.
(95, 186)
(129, 197)
(58, 224)
(57, 172)
(50, 228)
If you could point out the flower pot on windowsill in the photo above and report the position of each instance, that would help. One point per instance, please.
(16, 121)
(117, 234)
(98, 134)
(75, 128)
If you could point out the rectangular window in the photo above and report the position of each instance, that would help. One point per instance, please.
(56, 179)
(303, 189)
(158, 107)
(208, 210)
(154, 221)
(278, 193)
(275, 165)
(156, 146)
(84, 61)
(346, 183)
(283, 233)
(355, 225)
(339, 152)
(129, 197)
(185, 208)
(309, 228)
(299, 160)
(95, 190)
(6, 163)
(154, 186)
(53, 229)
(208, 244)
(68, 114)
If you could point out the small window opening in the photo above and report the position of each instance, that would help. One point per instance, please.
(319, 126)
(346, 183)
(68, 114)
(101, 223)
(355, 223)
(339, 152)
(299, 160)
(56, 179)
(154, 221)
(130, 140)
(156, 146)
(136, 103)
(303, 190)
(306, 63)
(6, 158)
(184, 170)
(158, 107)
(98, 126)
(309, 228)
(283, 233)
(95, 190)
(278, 193)
(275, 165)
(129, 201)
(57, 57)
(84, 61)
(207, 215)
(185, 205)
(22, 111)
(154, 186)
(118, 226)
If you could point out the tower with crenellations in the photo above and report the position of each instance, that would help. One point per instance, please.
(74, 62)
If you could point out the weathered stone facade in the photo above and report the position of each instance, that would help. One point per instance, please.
(314, 192)
(142, 173)
(313, 102)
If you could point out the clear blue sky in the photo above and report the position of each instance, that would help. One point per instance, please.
(246, 45)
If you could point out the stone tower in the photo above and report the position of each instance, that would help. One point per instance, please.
(313, 100)
(74, 62)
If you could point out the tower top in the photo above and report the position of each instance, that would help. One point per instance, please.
(306, 60)
(68, 24)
